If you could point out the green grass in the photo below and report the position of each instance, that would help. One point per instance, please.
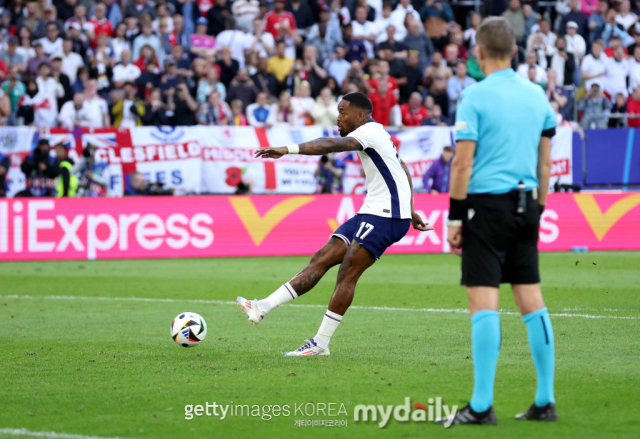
(109, 367)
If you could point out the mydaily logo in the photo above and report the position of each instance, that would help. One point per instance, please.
(381, 414)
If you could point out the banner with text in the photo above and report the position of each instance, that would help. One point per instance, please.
(277, 225)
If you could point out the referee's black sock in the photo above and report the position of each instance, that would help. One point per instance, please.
(485, 340)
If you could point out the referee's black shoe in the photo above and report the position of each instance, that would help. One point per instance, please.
(466, 415)
(545, 413)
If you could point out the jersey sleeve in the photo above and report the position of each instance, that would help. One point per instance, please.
(467, 116)
(365, 136)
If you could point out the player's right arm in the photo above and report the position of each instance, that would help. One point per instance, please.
(320, 146)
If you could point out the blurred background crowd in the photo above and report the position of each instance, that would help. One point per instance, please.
(127, 63)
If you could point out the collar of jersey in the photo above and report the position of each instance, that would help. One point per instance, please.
(504, 72)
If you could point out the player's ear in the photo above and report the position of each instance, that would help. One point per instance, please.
(514, 52)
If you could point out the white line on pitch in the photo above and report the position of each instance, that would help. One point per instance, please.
(48, 434)
(366, 308)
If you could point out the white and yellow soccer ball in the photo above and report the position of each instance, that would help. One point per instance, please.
(188, 329)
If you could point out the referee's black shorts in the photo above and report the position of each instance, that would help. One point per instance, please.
(500, 245)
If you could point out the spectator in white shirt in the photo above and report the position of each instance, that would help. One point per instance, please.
(398, 16)
(364, 30)
(52, 43)
(530, 61)
(302, 104)
(575, 42)
(245, 11)
(617, 70)
(594, 66)
(95, 108)
(625, 17)
(72, 112)
(385, 20)
(125, 71)
(542, 40)
(470, 34)
(71, 61)
(235, 39)
(47, 85)
(260, 41)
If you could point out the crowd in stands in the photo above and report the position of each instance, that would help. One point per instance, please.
(127, 63)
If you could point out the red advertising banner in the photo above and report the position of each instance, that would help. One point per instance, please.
(213, 226)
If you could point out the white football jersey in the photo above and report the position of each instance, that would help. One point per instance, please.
(388, 191)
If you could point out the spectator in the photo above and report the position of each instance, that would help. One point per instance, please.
(48, 85)
(30, 20)
(127, 112)
(356, 50)
(259, 113)
(5, 107)
(457, 40)
(575, 42)
(436, 118)
(95, 107)
(163, 16)
(283, 110)
(235, 39)
(13, 88)
(150, 77)
(182, 60)
(217, 16)
(65, 9)
(260, 41)
(576, 16)
(155, 111)
(50, 15)
(364, 30)
(383, 101)
(470, 34)
(616, 74)
(80, 43)
(113, 12)
(594, 66)
(61, 78)
(138, 185)
(383, 75)
(383, 22)
(279, 21)
(101, 62)
(515, 16)
(619, 108)
(597, 21)
(66, 183)
(555, 92)
(237, 114)
(302, 105)
(411, 78)
(336, 66)
(325, 111)
(451, 57)
(215, 111)
(40, 170)
(564, 63)
(634, 70)
(323, 41)
(543, 42)
(81, 81)
(209, 84)
(594, 107)
(633, 107)
(71, 61)
(228, 66)
(315, 74)
(101, 25)
(264, 80)
(455, 86)
(245, 12)
(52, 43)
(303, 13)
(138, 8)
(392, 49)
(147, 55)
(413, 113)
(79, 19)
(417, 40)
(72, 113)
(436, 80)
(185, 107)
(531, 61)
(625, 18)
(147, 38)
(437, 178)
(280, 65)
(399, 16)
(170, 78)
(34, 63)
(243, 89)
(119, 42)
(329, 175)
(125, 71)
(473, 67)
(11, 57)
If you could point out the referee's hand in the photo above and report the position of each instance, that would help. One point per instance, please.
(454, 238)
(418, 224)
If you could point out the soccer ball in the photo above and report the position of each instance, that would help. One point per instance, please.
(188, 329)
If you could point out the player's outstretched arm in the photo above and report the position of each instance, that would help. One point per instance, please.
(416, 220)
(320, 146)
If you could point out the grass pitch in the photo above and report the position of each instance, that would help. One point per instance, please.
(78, 358)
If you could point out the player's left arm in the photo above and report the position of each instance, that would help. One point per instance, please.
(416, 219)
(320, 146)
(461, 168)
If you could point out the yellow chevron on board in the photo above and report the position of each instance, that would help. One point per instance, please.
(599, 221)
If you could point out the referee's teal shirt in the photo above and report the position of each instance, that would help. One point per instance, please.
(505, 115)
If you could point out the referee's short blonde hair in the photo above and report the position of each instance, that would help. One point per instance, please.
(497, 38)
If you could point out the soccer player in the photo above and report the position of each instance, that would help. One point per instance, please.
(499, 185)
(384, 218)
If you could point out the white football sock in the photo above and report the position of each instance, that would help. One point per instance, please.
(330, 323)
(282, 295)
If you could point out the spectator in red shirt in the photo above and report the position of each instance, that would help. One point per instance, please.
(100, 23)
(412, 112)
(633, 107)
(383, 102)
(279, 18)
(383, 75)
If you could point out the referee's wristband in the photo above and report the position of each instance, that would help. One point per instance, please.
(293, 149)
(456, 209)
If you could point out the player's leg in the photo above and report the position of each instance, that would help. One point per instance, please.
(528, 297)
(373, 236)
(330, 255)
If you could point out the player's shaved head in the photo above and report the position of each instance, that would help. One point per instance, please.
(359, 101)
(354, 110)
(497, 38)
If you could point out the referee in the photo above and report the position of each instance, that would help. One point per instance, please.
(499, 184)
